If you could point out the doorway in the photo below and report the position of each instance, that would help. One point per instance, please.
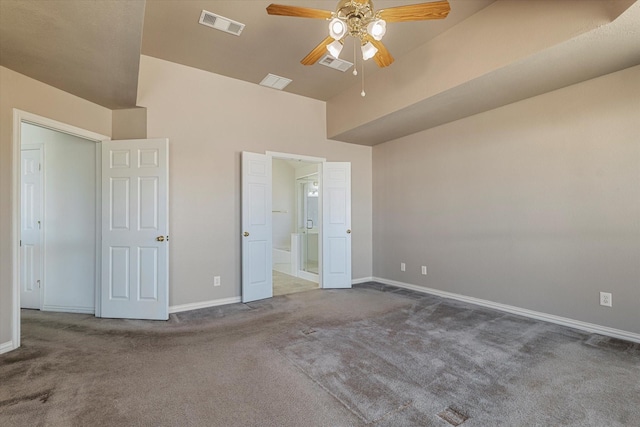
(121, 168)
(19, 118)
(58, 259)
(334, 223)
(295, 225)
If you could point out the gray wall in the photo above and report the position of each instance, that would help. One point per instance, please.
(284, 203)
(209, 120)
(535, 204)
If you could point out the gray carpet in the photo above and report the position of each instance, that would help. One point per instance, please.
(373, 355)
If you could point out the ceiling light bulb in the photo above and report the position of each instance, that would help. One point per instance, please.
(368, 51)
(335, 48)
(337, 28)
(377, 29)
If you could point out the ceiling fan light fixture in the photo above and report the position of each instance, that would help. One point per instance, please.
(335, 48)
(337, 28)
(368, 51)
(377, 29)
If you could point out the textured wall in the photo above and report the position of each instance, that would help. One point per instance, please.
(284, 203)
(210, 120)
(535, 204)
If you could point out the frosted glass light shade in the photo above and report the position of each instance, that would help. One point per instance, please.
(337, 28)
(377, 29)
(368, 51)
(335, 48)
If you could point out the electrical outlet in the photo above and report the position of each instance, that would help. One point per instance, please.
(216, 281)
(403, 266)
(605, 299)
(424, 270)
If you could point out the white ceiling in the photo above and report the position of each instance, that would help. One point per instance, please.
(275, 44)
(92, 49)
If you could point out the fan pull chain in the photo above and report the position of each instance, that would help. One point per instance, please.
(363, 92)
(355, 58)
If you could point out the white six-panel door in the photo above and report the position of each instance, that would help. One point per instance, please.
(31, 213)
(257, 279)
(336, 225)
(135, 245)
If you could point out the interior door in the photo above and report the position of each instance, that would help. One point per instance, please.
(257, 275)
(336, 225)
(135, 228)
(31, 215)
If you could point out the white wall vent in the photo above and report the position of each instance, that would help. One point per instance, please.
(275, 82)
(335, 63)
(221, 23)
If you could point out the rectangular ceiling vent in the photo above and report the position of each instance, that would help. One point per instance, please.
(335, 63)
(275, 82)
(221, 23)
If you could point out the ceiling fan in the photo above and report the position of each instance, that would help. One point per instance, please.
(359, 19)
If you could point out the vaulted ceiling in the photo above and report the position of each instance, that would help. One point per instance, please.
(485, 54)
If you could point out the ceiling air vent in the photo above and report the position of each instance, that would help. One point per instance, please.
(275, 82)
(338, 64)
(221, 23)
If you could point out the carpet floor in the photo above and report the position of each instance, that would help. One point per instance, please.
(374, 355)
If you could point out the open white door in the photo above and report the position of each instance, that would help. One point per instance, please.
(135, 227)
(336, 225)
(31, 227)
(257, 276)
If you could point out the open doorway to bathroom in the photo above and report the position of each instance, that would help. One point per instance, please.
(296, 226)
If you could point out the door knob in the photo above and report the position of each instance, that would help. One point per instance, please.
(348, 231)
(160, 238)
(245, 234)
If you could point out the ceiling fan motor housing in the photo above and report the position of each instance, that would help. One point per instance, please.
(357, 15)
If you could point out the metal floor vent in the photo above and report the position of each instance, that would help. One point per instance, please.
(335, 63)
(221, 23)
(453, 416)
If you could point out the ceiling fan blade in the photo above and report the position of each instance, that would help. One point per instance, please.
(302, 12)
(383, 58)
(317, 53)
(416, 12)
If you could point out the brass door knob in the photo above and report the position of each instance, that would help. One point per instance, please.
(349, 231)
(160, 238)
(245, 234)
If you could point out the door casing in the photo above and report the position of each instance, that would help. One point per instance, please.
(275, 155)
(19, 117)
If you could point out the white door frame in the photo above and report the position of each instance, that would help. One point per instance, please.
(308, 159)
(19, 117)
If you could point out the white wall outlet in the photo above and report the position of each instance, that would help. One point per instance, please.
(216, 281)
(424, 270)
(605, 299)
(403, 266)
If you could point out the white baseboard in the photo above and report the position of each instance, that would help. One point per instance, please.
(6, 347)
(361, 280)
(204, 304)
(69, 309)
(564, 321)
